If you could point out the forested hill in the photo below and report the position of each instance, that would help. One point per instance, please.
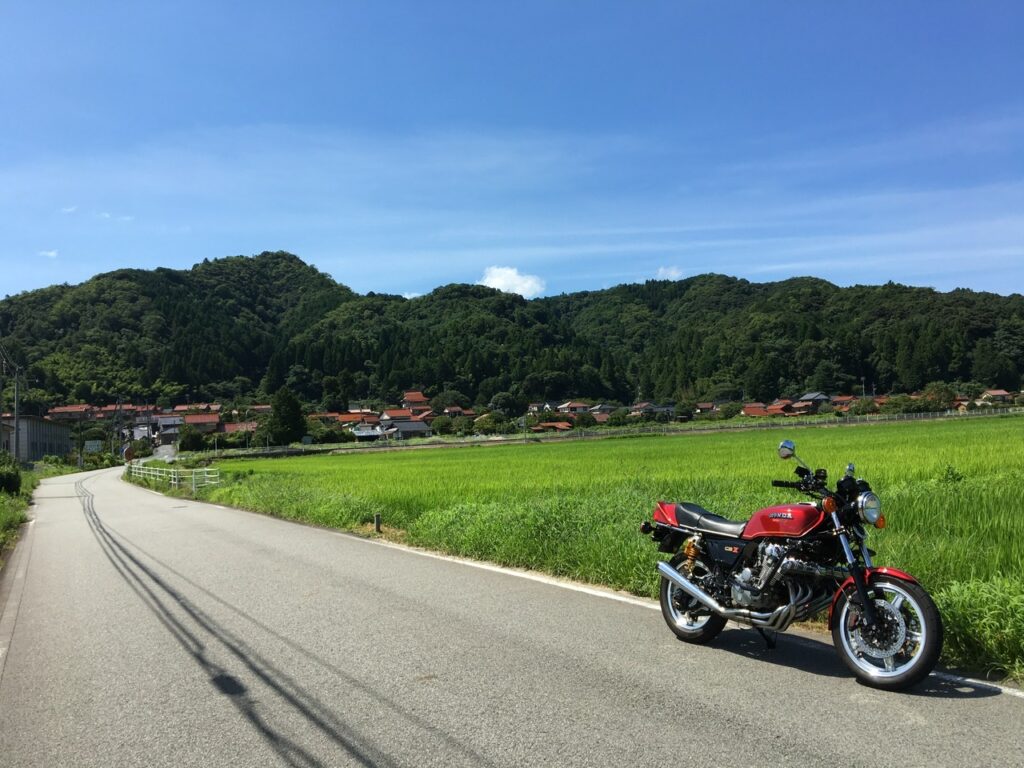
(239, 327)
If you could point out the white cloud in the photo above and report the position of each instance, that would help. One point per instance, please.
(411, 295)
(49, 254)
(509, 280)
(69, 209)
(669, 273)
(103, 215)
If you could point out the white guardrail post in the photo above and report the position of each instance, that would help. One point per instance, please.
(174, 477)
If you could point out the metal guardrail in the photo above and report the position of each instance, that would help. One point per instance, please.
(174, 477)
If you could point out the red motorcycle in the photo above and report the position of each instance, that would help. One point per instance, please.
(790, 562)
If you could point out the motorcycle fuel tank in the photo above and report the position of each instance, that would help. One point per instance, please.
(783, 520)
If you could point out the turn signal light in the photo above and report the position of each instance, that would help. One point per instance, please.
(880, 522)
(829, 505)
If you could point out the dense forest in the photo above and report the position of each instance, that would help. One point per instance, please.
(241, 327)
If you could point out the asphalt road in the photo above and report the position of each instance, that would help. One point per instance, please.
(137, 630)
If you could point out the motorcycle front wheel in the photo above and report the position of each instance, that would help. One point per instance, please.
(904, 644)
(690, 620)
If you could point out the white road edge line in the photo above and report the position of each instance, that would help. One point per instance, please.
(529, 576)
(594, 591)
(639, 602)
(9, 611)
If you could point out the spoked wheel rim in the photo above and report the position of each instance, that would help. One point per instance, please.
(685, 612)
(898, 641)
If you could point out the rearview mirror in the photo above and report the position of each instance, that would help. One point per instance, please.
(787, 449)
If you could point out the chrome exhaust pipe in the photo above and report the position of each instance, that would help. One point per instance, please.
(778, 620)
(698, 594)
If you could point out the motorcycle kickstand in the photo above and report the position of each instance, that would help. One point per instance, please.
(769, 639)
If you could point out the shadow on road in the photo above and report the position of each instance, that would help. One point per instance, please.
(819, 657)
(192, 628)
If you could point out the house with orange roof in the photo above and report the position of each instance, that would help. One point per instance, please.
(79, 412)
(231, 427)
(552, 426)
(203, 422)
(996, 396)
(414, 398)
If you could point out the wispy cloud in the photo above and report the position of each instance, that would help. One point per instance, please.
(50, 254)
(584, 211)
(510, 280)
(966, 136)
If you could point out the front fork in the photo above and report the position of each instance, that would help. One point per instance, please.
(868, 616)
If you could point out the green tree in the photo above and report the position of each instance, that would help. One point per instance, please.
(940, 395)
(190, 439)
(730, 410)
(286, 423)
(463, 425)
(442, 425)
(584, 421)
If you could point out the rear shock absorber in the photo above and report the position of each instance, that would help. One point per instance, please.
(691, 549)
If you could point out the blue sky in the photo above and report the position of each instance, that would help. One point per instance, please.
(550, 146)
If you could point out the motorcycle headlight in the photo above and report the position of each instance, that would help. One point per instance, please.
(869, 507)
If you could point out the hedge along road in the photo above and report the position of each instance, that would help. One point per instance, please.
(144, 630)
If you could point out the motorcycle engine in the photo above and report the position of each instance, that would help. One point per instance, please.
(748, 585)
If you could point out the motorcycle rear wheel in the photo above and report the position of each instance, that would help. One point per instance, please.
(688, 619)
(903, 648)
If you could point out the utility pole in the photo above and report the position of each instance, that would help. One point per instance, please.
(8, 362)
(17, 421)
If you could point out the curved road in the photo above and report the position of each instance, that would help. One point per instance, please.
(137, 630)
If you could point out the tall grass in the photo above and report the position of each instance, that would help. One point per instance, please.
(953, 494)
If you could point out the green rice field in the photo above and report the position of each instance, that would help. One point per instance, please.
(952, 492)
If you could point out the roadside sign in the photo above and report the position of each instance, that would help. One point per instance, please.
(93, 446)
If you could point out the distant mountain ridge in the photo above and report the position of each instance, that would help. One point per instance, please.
(237, 326)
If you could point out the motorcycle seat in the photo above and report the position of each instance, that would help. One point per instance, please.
(695, 516)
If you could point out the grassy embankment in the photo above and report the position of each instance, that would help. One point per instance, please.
(953, 493)
(12, 515)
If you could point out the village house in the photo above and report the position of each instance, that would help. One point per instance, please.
(996, 397)
(572, 408)
(231, 427)
(35, 437)
(81, 412)
(394, 415)
(539, 408)
(414, 400)
(809, 403)
(842, 403)
(403, 430)
(205, 423)
(169, 426)
(552, 426)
